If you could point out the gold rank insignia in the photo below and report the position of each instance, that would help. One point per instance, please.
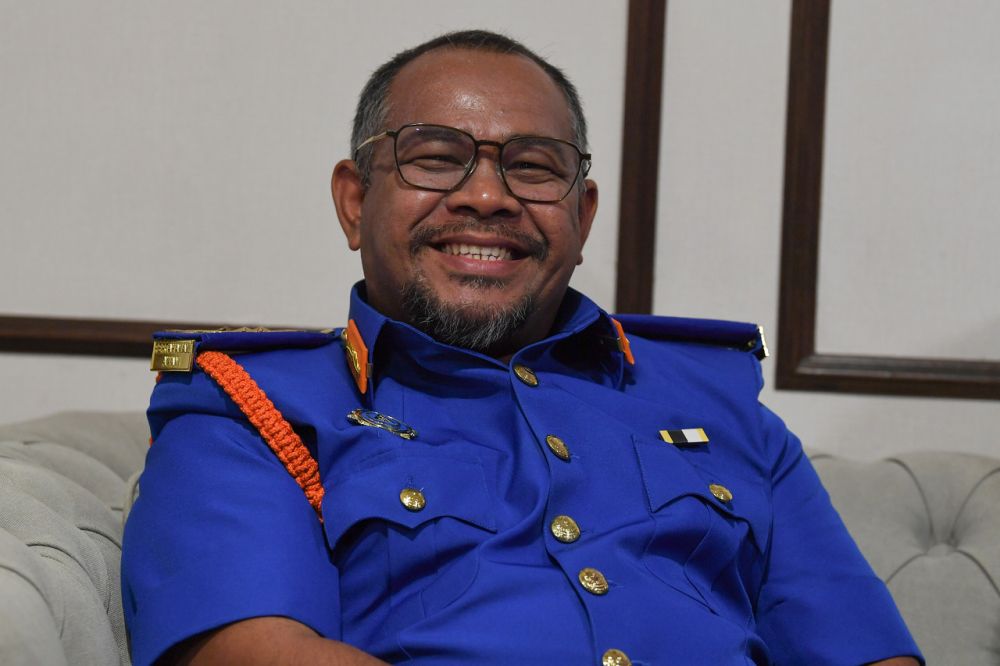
(685, 436)
(371, 418)
(172, 356)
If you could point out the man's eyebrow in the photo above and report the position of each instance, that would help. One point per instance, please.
(536, 137)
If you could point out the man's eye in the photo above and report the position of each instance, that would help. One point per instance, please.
(435, 161)
(530, 166)
(532, 171)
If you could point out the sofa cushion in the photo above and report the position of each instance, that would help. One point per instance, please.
(63, 488)
(929, 525)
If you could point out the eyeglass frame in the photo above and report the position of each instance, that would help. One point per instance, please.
(582, 169)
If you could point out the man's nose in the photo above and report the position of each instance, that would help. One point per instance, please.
(484, 190)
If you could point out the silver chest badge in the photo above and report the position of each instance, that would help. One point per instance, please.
(369, 417)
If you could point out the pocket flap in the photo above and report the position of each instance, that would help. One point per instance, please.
(450, 486)
(667, 476)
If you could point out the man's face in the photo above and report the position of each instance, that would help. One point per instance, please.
(438, 249)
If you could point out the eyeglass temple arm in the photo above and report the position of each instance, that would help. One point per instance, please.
(371, 139)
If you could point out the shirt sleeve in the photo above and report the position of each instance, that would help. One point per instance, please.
(220, 532)
(820, 602)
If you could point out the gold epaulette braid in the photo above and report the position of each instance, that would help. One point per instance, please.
(265, 417)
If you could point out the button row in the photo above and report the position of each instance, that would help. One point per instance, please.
(565, 529)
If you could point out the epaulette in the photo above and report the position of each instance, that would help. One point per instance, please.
(213, 351)
(175, 350)
(738, 335)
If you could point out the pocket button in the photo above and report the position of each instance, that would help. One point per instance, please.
(412, 499)
(721, 493)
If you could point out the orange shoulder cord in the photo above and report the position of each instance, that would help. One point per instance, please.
(264, 416)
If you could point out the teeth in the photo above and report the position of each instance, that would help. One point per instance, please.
(481, 252)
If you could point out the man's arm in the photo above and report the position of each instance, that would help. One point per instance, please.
(264, 641)
(220, 532)
(818, 585)
(897, 661)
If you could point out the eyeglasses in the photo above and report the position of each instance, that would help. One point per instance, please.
(438, 158)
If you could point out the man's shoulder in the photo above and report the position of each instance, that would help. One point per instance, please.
(704, 333)
(176, 350)
(301, 372)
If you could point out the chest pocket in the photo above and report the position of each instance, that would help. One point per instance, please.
(401, 517)
(711, 549)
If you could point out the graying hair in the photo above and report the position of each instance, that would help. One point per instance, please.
(373, 105)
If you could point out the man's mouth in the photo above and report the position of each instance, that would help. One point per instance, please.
(480, 252)
(475, 241)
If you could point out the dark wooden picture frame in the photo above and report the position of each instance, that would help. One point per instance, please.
(799, 365)
(634, 273)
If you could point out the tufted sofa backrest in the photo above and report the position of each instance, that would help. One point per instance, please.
(63, 483)
(929, 524)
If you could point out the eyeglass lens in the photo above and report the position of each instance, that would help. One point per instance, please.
(438, 158)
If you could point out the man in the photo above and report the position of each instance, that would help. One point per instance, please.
(483, 467)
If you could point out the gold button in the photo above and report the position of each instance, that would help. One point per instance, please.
(558, 447)
(593, 581)
(565, 529)
(412, 499)
(526, 375)
(615, 657)
(721, 493)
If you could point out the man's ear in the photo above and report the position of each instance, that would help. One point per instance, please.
(588, 209)
(348, 195)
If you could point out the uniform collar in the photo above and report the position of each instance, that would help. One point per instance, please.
(578, 316)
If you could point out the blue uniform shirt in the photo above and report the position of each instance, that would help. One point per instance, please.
(557, 524)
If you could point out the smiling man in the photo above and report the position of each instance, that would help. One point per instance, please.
(478, 245)
(483, 466)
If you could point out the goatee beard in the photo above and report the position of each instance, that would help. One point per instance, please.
(489, 329)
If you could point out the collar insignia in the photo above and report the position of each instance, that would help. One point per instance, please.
(371, 418)
(623, 344)
(357, 355)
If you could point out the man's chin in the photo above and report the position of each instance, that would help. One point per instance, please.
(474, 321)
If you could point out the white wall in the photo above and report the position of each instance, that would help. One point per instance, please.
(199, 137)
(171, 160)
(720, 202)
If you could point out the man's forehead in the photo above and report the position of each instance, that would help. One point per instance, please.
(478, 89)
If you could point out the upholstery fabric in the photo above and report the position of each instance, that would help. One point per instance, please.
(928, 522)
(62, 489)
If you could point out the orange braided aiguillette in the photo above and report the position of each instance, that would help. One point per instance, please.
(276, 431)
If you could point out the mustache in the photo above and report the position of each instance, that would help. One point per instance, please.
(536, 248)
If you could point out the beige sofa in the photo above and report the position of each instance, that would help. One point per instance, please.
(928, 522)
